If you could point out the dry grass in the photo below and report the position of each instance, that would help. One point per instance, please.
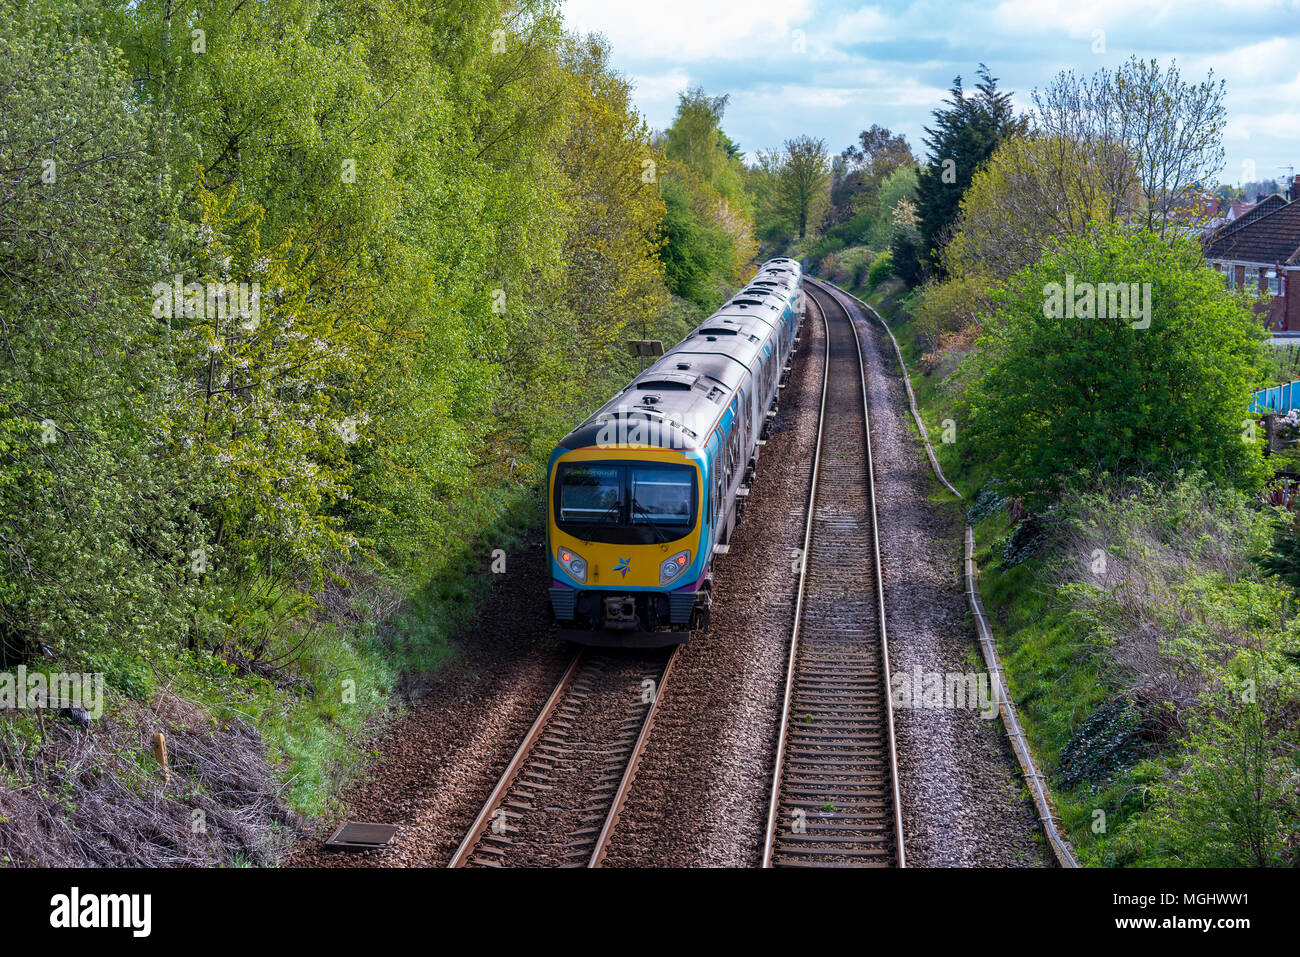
(1163, 578)
(97, 798)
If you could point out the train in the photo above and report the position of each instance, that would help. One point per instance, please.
(647, 491)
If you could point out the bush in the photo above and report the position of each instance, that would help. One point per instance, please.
(1058, 396)
(859, 273)
(1157, 673)
(951, 306)
(1160, 579)
(1233, 802)
(694, 254)
(880, 270)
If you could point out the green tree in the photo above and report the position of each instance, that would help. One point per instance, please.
(1034, 188)
(708, 229)
(695, 256)
(1233, 804)
(96, 509)
(861, 169)
(696, 139)
(1151, 142)
(802, 178)
(1063, 390)
(965, 133)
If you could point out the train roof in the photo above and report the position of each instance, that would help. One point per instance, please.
(684, 392)
(768, 308)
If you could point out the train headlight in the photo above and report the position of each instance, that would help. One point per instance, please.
(670, 568)
(574, 564)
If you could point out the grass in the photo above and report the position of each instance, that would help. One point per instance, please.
(315, 742)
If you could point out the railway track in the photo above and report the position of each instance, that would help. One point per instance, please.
(560, 796)
(834, 799)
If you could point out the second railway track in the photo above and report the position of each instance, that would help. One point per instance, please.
(559, 798)
(834, 798)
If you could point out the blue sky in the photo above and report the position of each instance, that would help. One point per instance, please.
(832, 68)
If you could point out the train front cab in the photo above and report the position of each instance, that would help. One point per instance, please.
(625, 534)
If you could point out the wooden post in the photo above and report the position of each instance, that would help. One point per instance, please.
(160, 755)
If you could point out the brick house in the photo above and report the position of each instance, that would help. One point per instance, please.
(1261, 250)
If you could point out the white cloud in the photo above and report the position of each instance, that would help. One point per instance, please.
(656, 93)
(679, 30)
(1079, 19)
(890, 62)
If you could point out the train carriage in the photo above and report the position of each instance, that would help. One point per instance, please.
(646, 492)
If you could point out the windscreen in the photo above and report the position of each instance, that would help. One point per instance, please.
(626, 503)
(591, 495)
(662, 496)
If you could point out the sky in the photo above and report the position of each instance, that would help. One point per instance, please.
(832, 68)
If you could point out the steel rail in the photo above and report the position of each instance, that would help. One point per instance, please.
(1034, 779)
(791, 668)
(880, 586)
(541, 723)
(774, 802)
(508, 776)
(625, 783)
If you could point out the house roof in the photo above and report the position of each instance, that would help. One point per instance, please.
(1267, 233)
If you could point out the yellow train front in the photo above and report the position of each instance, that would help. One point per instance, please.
(647, 491)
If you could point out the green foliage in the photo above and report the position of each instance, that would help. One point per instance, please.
(906, 252)
(868, 182)
(899, 185)
(1282, 558)
(801, 179)
(966, 131)
(695, 255)
(1284, 362)
(130, 674)
(1128, 643)
(1059, 396)
(695, 138)
(952, 307)
(1107, 743)
(94, 518)
(1234, 802)
(1033, 188)
(881, 269)
(707, 234)
(401, 278)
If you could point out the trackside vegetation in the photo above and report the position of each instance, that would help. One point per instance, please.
(1130, 573)
(295, 299)
(1087, 377)
(1116, 352)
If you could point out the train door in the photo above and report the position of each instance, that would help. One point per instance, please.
(719, 497)
(746, 424)
(734, 462)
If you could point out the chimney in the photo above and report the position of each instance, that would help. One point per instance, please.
(1295, 189)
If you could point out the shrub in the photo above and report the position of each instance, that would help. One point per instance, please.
(1232, 802)
(1162, 388)
(1162, 586)
(881, 269)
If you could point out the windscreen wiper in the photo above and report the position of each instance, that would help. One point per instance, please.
(659, 535)
(603, 521)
